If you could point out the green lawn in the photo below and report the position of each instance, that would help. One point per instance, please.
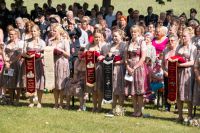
(178, 6)
(47, 120)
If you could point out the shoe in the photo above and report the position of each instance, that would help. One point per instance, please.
(39, 105)
(179, 120)
(167, 109)
(31, 105)
(60, 107)
(94, 110)
(55, 107)
(79, 110)
(139, 115)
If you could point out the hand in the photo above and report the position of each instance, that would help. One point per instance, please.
(172, 60)
(109, 54)
(178, 65)
(73, 50)
(198, 79)
(166, 74)
(31, 56)
(130, 70)
(100, 58)
(117, 62)
(59, 49)
(7, 64)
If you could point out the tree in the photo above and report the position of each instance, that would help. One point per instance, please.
(106, 3)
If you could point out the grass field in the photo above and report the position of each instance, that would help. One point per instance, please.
(47, 120)
(179, 6)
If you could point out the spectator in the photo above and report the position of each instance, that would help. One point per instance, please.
(151, 17)
(110, 17)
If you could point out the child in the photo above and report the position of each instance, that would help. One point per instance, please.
(157, 80)
(75, 86)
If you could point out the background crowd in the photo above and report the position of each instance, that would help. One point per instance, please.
(141, 46)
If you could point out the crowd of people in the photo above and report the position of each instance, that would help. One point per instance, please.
(142, 47)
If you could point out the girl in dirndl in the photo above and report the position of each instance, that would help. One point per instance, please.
(61, 62)
(36, 44)
(97, 91)
(136, 54)
(76, 85)
(185, 72)
(117, 49)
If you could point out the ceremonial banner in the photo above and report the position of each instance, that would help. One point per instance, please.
(107, 74)
(172, 82)
(90, 68)
(30, 73)
(49, 67)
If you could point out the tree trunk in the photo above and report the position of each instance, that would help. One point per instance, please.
(106, 3)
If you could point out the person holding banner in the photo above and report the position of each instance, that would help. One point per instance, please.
(117, 49)
(168, 52)
(12, 55)
(185, 72)
(61, 56)
(136, 54)
(33, 50)
(76, 85)
(97, 91)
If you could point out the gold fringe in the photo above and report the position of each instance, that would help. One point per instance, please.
(28, 94)
(171, 102)
(90, 85)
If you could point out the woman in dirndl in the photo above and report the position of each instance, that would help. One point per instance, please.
(61, 62)
(136, 53)
(36, 44)
(117, 49)
(185, 72)
(12, 55)
(97, 91)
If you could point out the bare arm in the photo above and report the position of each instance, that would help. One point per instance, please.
(143, 56)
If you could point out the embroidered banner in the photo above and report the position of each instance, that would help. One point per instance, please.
(172, 82)
(107, 74)
(49, 67)
(90, 68)
(30, 73)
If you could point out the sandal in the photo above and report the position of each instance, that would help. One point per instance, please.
(31, 105)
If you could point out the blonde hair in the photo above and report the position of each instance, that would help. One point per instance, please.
(25, 20)
(163, 30)
(58, 27)
(62, 32)
(136, 28)
(189, 30)
(87, 19)
(37, 29)
(16, 31)
(121, 32)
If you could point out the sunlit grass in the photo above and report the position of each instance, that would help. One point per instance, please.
(47, 120)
